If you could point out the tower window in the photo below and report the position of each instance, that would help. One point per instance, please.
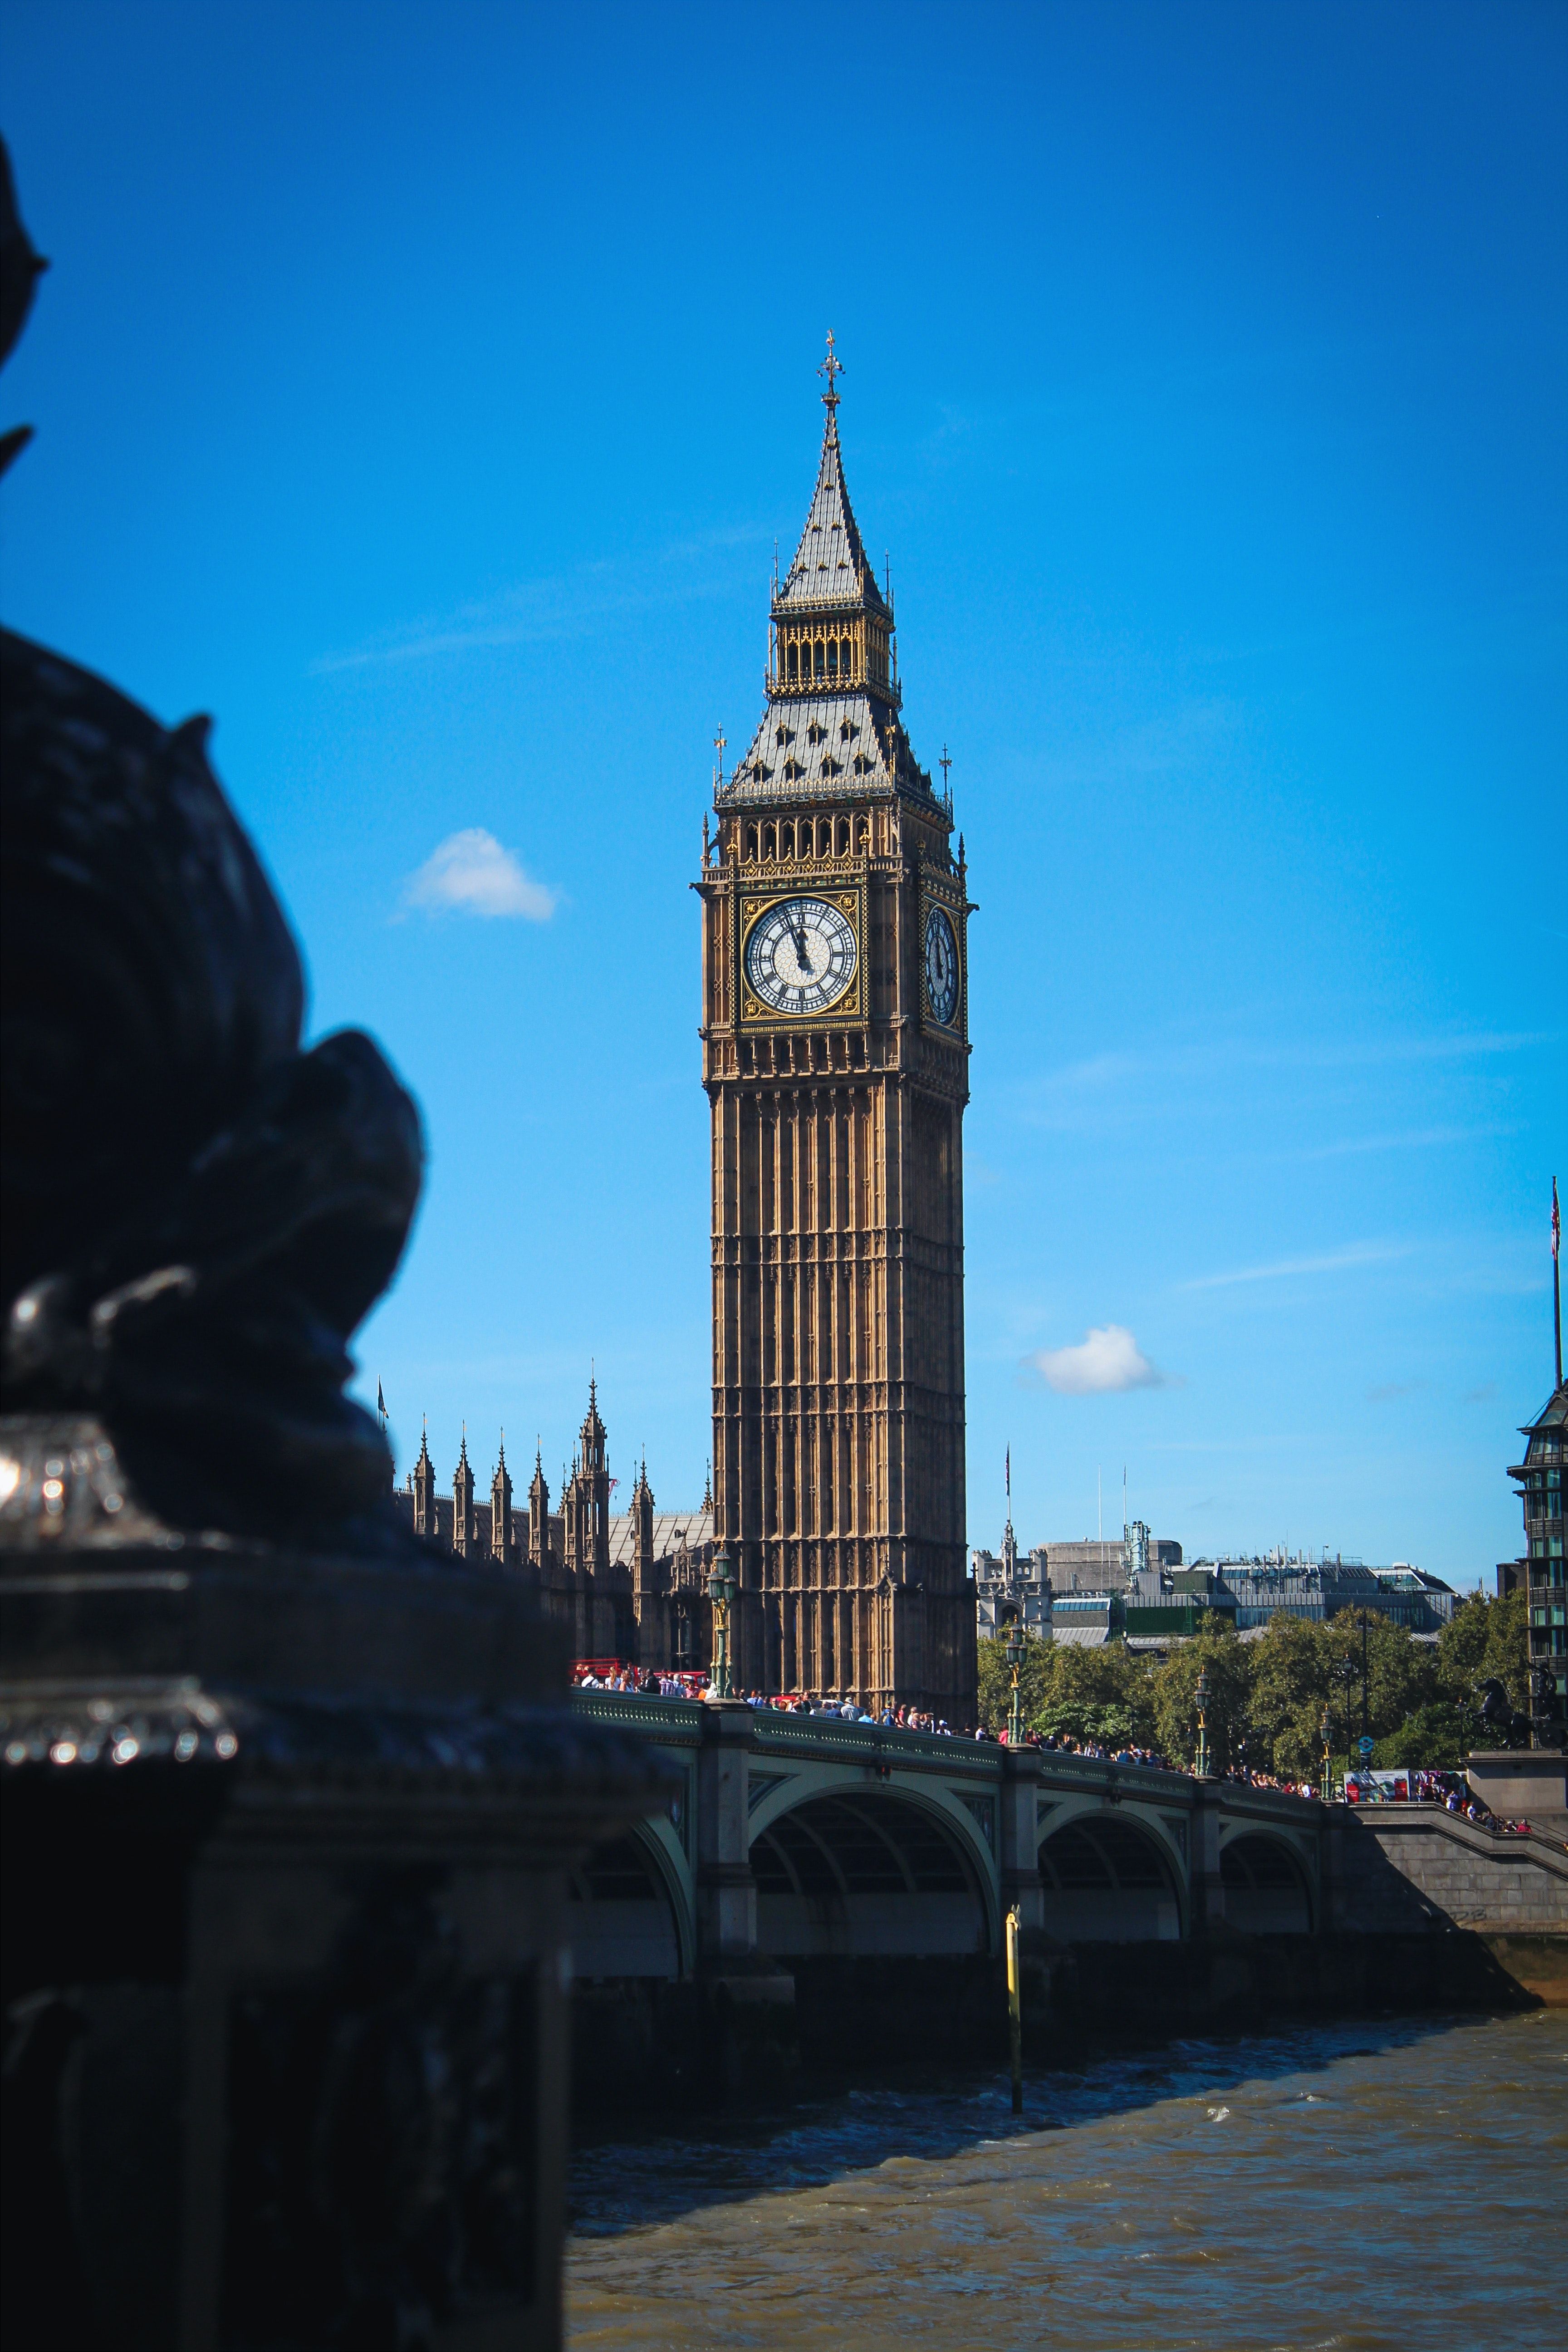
(794, 663)
(832, 657)
(818, 657)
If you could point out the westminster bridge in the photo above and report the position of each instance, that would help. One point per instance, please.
(810, 1836)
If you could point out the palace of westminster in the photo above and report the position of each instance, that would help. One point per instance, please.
(835, 1059)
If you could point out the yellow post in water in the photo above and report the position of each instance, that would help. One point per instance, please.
(1015, 2013)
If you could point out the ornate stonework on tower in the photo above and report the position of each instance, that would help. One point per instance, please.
(835, 1063)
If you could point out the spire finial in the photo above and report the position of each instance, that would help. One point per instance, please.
(720, 742)
(832, 366)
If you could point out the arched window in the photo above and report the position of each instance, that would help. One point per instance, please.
(832, 657)
(824, 839)
(751, 841)
(793, 662)
(787, 842)
(846, 658)
(770, 842)
(843, 837)
(818, 657)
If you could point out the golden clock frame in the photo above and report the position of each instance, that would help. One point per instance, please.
(955, 906)
(753, 906)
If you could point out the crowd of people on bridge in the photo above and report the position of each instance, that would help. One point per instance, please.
(1420, 1786)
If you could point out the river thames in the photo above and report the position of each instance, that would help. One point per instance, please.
(1383, 2185)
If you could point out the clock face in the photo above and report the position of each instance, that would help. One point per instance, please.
(801, 956)
(941, 966)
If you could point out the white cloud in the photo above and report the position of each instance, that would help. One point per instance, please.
(1106, 1360)
(471, 874)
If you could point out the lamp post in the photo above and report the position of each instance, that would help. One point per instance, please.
(722, 1587)
(1347, 1675)
(1201, 1695)
(1013, 1654)
(1323, 1735)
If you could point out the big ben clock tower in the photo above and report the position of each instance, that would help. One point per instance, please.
(836, 1062)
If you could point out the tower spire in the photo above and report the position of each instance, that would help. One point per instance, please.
(832, 367)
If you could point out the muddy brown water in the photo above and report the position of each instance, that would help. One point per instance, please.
(1385, 2187)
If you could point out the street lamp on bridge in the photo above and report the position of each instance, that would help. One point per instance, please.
(1202, 1696)
(1013, 1654)
(722, 1587)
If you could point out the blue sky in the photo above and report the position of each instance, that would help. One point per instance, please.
(421, 389)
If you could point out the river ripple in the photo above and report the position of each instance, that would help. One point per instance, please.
(1374, 2188)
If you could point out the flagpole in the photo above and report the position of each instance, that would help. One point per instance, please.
(1556, 1279)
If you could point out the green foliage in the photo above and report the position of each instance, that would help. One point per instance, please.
(1268, 1697)
(1430, 1737)
(1216, 1652)
(1483, 1639)
(1292, 1682)
(1104, 1694)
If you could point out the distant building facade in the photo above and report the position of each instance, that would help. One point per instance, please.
(631, 1586)
(1065, 1592)
(1090, 1593)
(1539, 1481)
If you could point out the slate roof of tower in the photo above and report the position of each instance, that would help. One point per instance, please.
(830, 565)
(801, 748)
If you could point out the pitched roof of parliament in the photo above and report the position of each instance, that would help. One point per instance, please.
(829, 743)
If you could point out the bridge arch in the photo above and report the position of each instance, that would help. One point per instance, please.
(1266, 1891)
(628, 1911)
(1110, 1878)
(858, 1869)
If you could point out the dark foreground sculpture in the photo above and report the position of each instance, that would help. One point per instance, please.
(288, 1799)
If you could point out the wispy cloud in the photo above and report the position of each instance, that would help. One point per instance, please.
(1483, 1395)
(1387, 1390)
(1117, 1089)
(1106, 1360)
(472, 873)
(1421, 1139)
(1332, 1262)
(568, 604)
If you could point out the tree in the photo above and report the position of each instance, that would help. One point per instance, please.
(1216, 1652)
(996, 1680)
(1401, 1675)
(1104, 1693)
(1430, 1737)
(1292, 1682)
(1485, 1639)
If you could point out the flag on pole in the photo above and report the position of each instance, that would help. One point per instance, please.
(380, 1402)
(1556, 1220)
(1008, 1474)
